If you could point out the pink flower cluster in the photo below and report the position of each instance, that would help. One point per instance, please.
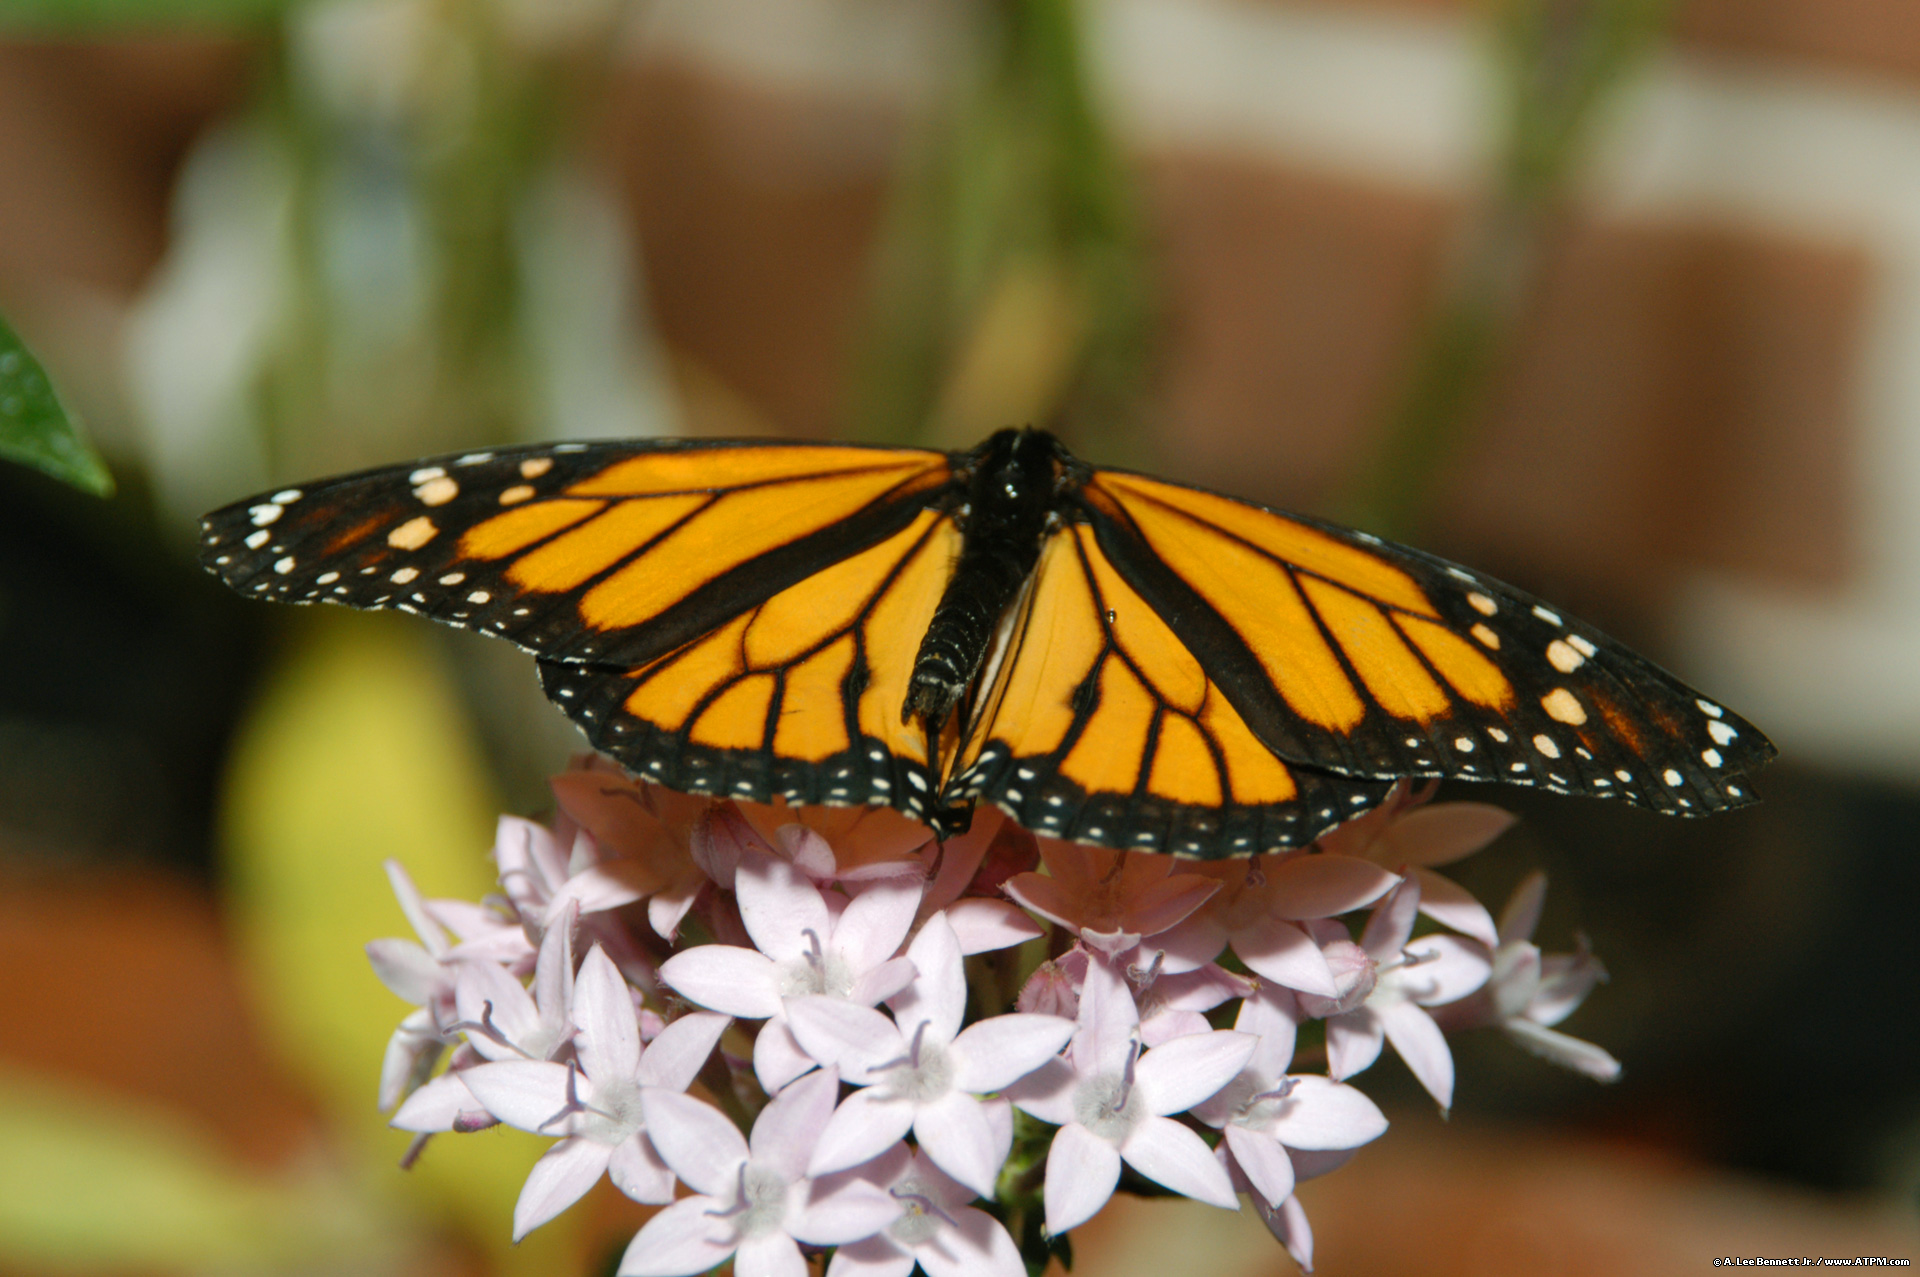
(772, 1032)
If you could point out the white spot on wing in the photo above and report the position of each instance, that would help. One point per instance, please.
(326, 578)
(517, 493)
(1545, 745)
(1563, 706)
(1721, 733)
(1464, 744)
(1711, 757)
(1497, 734)
(1551, 618)
(413, 534)
(1710, 709)
(1486, 636)
(264, 514)
(437, 491)
(534, 467)
(1561, 656)
(288, 497)
(1581, 645)
(257, 539)
(426, 474)
(403, 575)
(1483, 604)
(1672, 777)
(453, 578)
(284, 566)
(479, 596)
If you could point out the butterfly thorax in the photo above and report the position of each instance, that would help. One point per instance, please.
(1010, 486)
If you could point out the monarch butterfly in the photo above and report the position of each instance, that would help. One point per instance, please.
(1109, 657)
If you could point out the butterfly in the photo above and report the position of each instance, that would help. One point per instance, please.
(1109, 657)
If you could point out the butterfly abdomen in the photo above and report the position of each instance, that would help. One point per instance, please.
(1009, 495)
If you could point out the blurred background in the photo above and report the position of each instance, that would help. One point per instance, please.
(1616, 299)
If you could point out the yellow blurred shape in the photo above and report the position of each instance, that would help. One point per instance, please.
(358, 751)
(1013, 368)
(93, 1182)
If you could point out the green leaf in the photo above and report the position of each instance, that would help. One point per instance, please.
(35, 430)
(357, 751)
(37, 17)
(95, 1182)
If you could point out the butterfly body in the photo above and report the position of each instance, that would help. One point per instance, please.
(1107, 656)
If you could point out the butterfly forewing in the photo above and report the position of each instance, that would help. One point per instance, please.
(617, 553)
(1347, 653)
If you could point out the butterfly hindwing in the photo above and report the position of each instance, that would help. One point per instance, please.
(1351, 654)
(1102, 727)
(798, 697)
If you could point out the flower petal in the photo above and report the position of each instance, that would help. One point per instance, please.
(1268, 1169)
(724, 977)
(863, 1127)
(1326, 885)
(637, 1171)
(1522, 913)
(1324, 1114)
(777, 1057)
(938, 995)
(1046, 896)
(883, 982)
(1273, 1015)
(876, 921)
(1175, 1077)
(680, 1241)
(1170, 1154)
(986, 925)
(437, 1105)
(528, 1094)
(1421, 1044)
(977, 1245)
(992, 1054)
(876, 1256)
(1440, 834)
(609, 1032)
(787, 1129)
(676, 1056)
(1047, 1092)
(779, 906)
(955, 1134)
(1082, 1172)
(844, 1034)
(1104, 1030)
(1452, 905)
(1353, 1042)
(1168, 902)
(560, 1178)
(1392, 921)
(1285, 954)
(1450, 968)
(1549, 1044)
(695, 1139)
(408, 971)
(851, 1210)
(769, 1255)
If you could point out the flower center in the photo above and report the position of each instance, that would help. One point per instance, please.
(815, 971)
(614, 1114)
(1258, 1110)
(920, 1215)
(1353, 974)
(1108, 1103)
(922, 1075)
(759, 1204)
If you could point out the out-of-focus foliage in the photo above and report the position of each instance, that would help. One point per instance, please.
(1011, 285)
(35, 429)
(1559, 63)
(97, 17)
(95, 1183)
(359, 752)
